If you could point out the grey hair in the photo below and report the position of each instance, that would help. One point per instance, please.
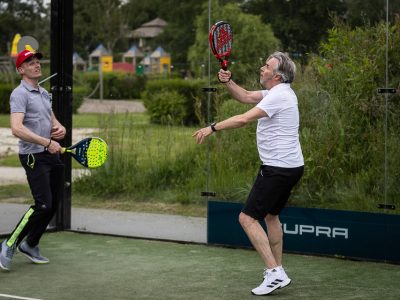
(285, 68)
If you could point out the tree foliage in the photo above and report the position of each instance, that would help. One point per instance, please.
(300, 25)
(253, 41)
(178, 36)
(97, 22)
(26, 17)
(343, 116)
(371, 12)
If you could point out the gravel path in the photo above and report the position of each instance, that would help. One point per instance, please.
(106, 106)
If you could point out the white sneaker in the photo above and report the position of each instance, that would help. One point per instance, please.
(286, 280)
(273, 280)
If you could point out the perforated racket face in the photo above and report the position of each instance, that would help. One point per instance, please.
(96, 153)
(90, 152)
(221, 38)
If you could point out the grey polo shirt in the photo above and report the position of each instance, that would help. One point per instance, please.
(35, 103)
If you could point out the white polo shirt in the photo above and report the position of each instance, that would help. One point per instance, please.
(278, 133)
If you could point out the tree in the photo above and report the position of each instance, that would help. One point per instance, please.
(97, 21)
(26, 17)
(300, 25)
(253, 41)
(360, 12)
(178, 35)
(344, 116)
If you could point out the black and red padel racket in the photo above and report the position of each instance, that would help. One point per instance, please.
(221, 38)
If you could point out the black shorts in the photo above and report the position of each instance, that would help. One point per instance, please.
(271, 191)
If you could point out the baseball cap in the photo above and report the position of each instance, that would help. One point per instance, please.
(24, 55)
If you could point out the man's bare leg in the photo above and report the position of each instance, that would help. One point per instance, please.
(275, 236)
(259, 239)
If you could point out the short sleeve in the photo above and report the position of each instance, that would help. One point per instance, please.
(270, 104)
(18, 102)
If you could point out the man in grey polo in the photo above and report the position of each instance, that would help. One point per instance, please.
(34, 123)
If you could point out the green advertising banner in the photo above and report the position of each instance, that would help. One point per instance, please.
(347, 234)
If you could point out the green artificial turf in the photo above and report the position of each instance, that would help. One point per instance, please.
(85, 266)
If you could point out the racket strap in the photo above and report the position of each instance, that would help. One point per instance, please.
(30, 162)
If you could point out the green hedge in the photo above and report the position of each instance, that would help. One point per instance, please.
(5, 92)
(78, 95)
(174, 101)
(116, 85)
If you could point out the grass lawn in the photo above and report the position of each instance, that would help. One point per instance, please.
(4, 120)
(20, 193)
(89, 120)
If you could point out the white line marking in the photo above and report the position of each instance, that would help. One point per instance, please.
(17, 297)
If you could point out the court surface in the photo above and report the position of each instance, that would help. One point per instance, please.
(86, 266)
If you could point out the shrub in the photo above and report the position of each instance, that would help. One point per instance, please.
(173, 100)
(5, 92)
(343, 120)
(116, 85)
(143, 161)
(78, 95)
(167, 107)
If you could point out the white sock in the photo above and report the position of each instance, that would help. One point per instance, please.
(277, 269)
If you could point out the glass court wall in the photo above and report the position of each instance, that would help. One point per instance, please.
(349, 131)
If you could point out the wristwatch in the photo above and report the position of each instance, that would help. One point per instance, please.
(213, 126)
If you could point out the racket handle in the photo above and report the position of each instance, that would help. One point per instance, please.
(229, 76)
(63, 150)
(224, 65)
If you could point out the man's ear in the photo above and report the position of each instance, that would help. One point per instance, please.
(20, 70)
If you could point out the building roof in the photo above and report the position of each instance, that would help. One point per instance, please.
(157, 22)
(159, 52)
(99, 51)
(150, 29)
(76, 59)
(133, 52)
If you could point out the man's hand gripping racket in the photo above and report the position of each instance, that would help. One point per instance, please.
(221, 38)
(90, 152)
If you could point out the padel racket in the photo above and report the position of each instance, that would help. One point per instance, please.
(221, 38)
(90, 152)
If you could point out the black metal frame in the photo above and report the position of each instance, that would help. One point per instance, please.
(61, 89)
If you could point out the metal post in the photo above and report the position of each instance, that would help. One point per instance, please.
(207, 193)
(101, 76)
(61, 89)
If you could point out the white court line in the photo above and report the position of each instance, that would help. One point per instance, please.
(17, 297)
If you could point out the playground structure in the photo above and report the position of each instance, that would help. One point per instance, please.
(133, 61)
(138, 59)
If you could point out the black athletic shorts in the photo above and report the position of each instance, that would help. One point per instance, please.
(271, 191)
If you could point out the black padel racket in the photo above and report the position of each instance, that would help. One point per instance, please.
(221, 38)
(90, 152)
